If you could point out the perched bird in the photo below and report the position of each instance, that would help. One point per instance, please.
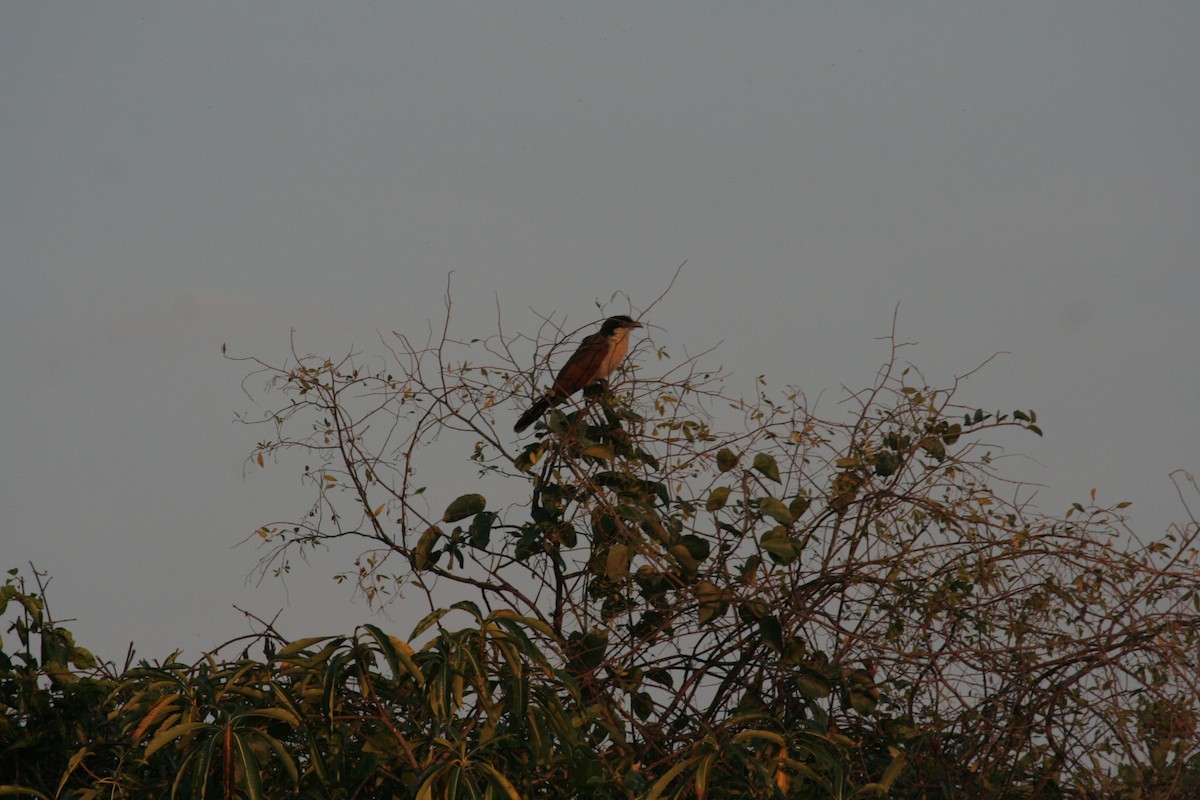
(598, 355)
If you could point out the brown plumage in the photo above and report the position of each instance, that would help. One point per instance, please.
(598, 355)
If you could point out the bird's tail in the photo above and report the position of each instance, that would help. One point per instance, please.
(535, 411)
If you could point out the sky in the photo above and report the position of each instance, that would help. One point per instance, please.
(1019, 178)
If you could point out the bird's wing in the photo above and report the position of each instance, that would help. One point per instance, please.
(581, 367)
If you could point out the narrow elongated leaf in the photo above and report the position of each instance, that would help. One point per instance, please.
(769, 736)
(72, 764)
(250, 768)
(702, 774)
(169, 735)
(663, 782)
(497, 779)
(285, 758)
(284, 714)
(22, 791)
(504, 615)
(156, 712)
(429, 620)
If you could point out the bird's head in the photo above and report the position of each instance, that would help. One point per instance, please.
(614, 324)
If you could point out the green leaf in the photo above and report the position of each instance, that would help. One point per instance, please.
(642, 704)
(813, 684)
(497, 780)
(798, 506)
(765, 464)
(779, 545)
(592, 647)
(770, 507)
(397, 653)
(428, 621)
(935, 447)
(864, 694)
(661, 676)
(952, 433)
(463, 507)
(717, 499)
(697, 546)
(726, 460)
(285, 758)
(250, 769)
(771, 632)
(886, 463)
(663, 782)
(683, 556)
(752, 610)
(480, 532)
(284, 714)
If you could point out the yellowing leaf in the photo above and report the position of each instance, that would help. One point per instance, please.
(714, 602)
(153, 714)
(617, 565)
(401, 645)
(422, 555)
(464, 506)
(600, 451)
(717, 499)
(165, 737)
(296, 647)
(782, 779)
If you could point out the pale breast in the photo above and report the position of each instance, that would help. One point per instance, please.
(616, 354)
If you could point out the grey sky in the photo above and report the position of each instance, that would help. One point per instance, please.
(1019, 177)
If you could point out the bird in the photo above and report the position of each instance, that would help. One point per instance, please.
(598, 355)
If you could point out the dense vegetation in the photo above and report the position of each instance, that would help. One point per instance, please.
(647, 601)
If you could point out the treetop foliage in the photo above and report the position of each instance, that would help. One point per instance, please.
(666, 591)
